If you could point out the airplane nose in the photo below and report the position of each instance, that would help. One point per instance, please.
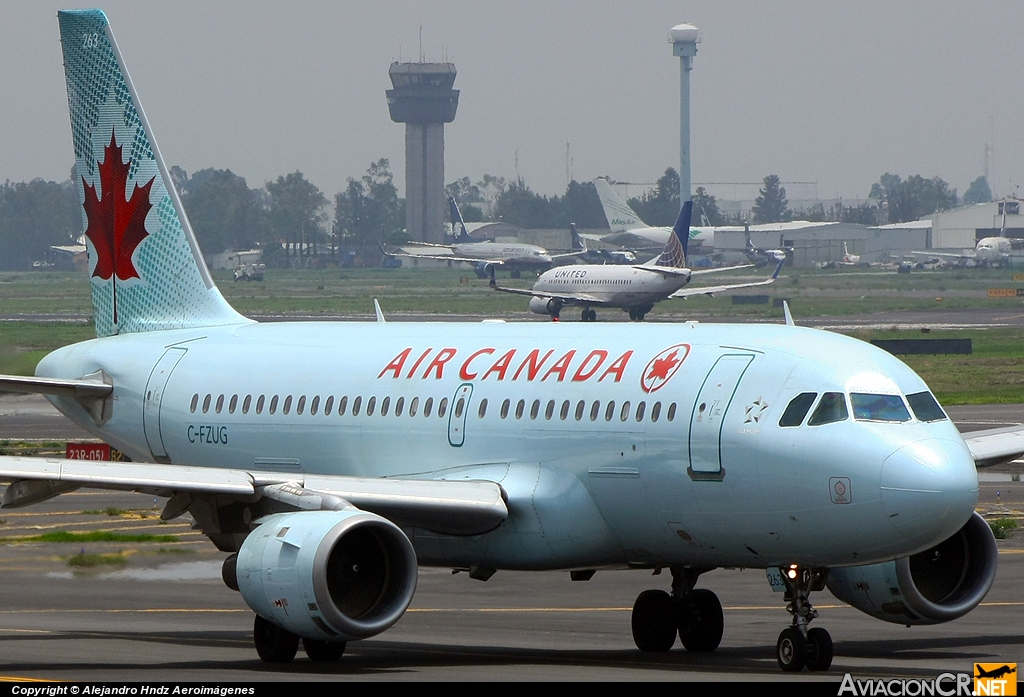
(929, 488)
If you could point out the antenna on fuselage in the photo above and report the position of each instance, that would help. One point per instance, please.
(785, 309)
(376, 307)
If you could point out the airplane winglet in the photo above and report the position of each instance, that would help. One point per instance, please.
(376, 307)
(789, 315)
(775, 273)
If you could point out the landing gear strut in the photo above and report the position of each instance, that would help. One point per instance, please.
(588, 315)
(694, 614)
(799, 646)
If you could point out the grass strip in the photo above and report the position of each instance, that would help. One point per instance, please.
(95, 536)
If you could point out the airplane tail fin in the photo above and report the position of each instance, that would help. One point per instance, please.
(458, 225)
(621, 217)
(578, 243)
(674, 254)
(146, 270)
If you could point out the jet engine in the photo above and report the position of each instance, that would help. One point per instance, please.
(327, 575)
(545, 306)
(931, 587)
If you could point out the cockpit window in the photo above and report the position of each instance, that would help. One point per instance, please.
(797, 409)
(831, 408)
(878, 407)
(925, 407)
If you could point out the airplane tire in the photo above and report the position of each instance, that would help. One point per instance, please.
(819, 649)
(323, 651)
(632, 313)
(653, 621)
(703, 632)
(273, 644)
(791, 650)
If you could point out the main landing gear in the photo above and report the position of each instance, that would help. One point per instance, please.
(799, 646)
(638, 313)
(694, 614)
(588, 315)
(277, 645)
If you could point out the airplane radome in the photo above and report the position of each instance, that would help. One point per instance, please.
(332, 460)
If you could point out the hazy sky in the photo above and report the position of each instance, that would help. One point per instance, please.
(833, 93)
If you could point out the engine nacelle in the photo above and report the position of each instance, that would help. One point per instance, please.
(545, 306)
(931, 587)
(329, 575)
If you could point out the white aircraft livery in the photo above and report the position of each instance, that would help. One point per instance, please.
(626, 227)
(490, 446)
(633, 288)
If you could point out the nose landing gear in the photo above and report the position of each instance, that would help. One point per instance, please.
(798, 646)
(694, 614)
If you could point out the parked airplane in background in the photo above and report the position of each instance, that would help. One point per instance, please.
(990, 251)
(486, 255)
(760, 255)
(488, 446)
(601, 256)
(634, 288)
(626, 227)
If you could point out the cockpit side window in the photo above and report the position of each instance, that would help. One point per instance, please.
(879, 407)
(925, 407)
(831, 408)
(797, 409)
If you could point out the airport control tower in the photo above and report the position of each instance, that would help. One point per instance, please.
(423, 99)
(684, 39)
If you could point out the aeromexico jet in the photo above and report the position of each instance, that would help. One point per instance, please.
(485, 256)
(481, 447)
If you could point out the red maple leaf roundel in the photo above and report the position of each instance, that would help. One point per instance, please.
(662, 367)
(116, 224)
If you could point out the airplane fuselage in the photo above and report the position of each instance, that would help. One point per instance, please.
(657, 446)
(611, 285)
(992, 249)
(524, 256)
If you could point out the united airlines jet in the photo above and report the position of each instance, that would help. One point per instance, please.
(490, 446)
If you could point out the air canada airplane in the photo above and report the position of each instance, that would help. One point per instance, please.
(489, 446)
(633, 288)
(485, 256)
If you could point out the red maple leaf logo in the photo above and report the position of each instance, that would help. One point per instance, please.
(116, 224)
(662, 367)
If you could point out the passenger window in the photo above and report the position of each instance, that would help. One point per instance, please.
(442, 407)
(624, 414)
(879, 407)
(581, 407)
(399, 406)
(301, 405)
(385, 406)
(535, 409)
(287, 405)
(830, 409)
(797, 409)
(609, 411)
(671, 412)
(314, 406)
(427, 406)
(356, 403)
(504, 409)
(925, 407)
(206, 403)
(520, 407)
(483, 408)
(328, 405)
(246, 403)
(273, 404)
(549, 410)
(655, 411)
(195, 403)
(459, 406)
(413, 406)
(232, 404)
(595, 410)
(342, 404)
(640, 409)
(563, 413)
(220, 403)
(259, 404)
(371, 404)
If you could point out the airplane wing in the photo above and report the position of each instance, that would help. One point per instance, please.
(947, 255)
(711, 290)
(448, 507)
(995, 445)
(449, 257)
(720, 269)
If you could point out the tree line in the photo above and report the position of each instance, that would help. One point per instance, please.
(291, 217)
